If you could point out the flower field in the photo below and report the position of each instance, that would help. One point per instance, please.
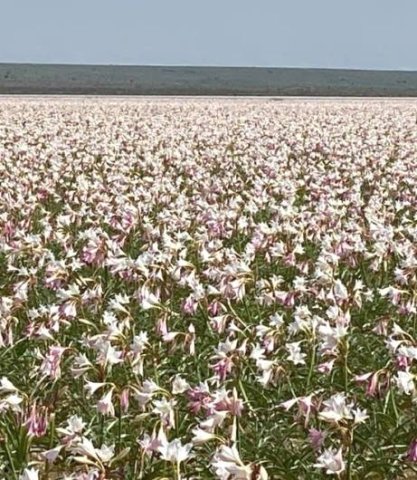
(208, 289)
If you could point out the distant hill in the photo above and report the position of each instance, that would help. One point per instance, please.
(159, 80)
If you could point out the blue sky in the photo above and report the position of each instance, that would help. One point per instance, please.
(370, 34)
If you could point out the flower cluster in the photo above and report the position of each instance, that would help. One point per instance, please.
(207, 289)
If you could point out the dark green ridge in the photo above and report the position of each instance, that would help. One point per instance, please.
(231, 81)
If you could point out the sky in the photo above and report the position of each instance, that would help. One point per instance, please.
(361, 34)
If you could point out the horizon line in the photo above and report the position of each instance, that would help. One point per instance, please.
(172, 65)
(38, 78)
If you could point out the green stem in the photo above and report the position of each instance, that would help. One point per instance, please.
(394, 406)
(10, 458)
(245, 396)
(178, 471)
(349, 459)
(346, 368)
(119, 428)
(101, 429)
(312, 364)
